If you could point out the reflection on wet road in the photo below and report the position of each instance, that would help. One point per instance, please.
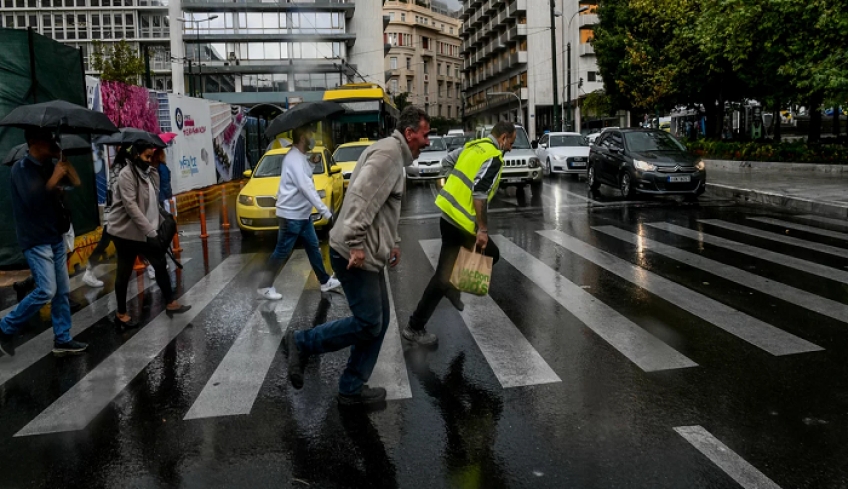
(652, 343)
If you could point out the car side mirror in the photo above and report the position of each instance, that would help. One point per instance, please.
(335, 169)
(248, 173)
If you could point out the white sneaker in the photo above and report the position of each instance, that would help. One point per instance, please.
(331, 284)
(151, 272)
(89, 279)
(270, 294)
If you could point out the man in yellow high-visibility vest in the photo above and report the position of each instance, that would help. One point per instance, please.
(464, 201)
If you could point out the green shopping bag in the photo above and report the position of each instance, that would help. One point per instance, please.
(472, 272)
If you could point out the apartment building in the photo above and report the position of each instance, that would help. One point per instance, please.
(424, 60)
(221, 46)
(508, 50)
(78, 23)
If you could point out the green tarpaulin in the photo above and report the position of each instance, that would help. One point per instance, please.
(34, 68)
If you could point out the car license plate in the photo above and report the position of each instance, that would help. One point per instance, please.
(680, 179)
(578, 164)
(512, 180)
(429, 170)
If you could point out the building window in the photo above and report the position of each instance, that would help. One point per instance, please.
(451, 30)
(403, 17)
(408, 63)
(408, 86)
(393, 63)
(391, 16)
(592, 76)
(393, 86)
(439, 69)
(449, 111)
(426, 68)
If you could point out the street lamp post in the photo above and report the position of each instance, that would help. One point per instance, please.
(565, 32)
(196, 23)
(497, 94)
(554, 14)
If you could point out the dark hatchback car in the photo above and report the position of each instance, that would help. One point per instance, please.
(645, 161)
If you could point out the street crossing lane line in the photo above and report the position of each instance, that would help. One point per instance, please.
(801, 227)
(639, 346)
(825, 220)
(390, 372)
(75, 282)
(750, 329)
(512, 358)
(778, 258)
(40, 346)
(780, 238)
(745, 474)
(801, 298)
(85, 400)
(234, 386)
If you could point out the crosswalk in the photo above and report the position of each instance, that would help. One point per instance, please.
(514, 358)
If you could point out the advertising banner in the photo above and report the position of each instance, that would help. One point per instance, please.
(101, 173)
(228, 122)
(191, 156)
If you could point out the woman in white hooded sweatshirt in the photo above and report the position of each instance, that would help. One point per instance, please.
(295, 199)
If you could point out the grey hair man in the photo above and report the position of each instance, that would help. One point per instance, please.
(364, 241)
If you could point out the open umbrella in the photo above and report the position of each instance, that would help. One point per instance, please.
(131, 135)
(60, 115)
(167, 137)
(71, 145)
(302, 115)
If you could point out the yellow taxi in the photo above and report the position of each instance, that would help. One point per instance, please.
(256, 205)
(348, 154)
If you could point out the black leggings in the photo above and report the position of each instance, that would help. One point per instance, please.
(100, 250)
(127, 253)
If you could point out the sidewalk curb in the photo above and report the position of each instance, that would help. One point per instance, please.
(797, 204)
(759, 167)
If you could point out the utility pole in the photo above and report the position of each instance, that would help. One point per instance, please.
(556, 119)
(148, 83)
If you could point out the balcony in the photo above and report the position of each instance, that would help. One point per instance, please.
(587, 20)
(475, 3)
(586, 49)
(517, 32)
(517, 6)
(518, 57)
(463, 14)
(503, 16)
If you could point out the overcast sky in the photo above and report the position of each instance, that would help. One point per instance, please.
(453, 4)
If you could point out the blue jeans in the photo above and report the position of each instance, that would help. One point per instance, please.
(368, 297)
(52, 286)
(290, 230)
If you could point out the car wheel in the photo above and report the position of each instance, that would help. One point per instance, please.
(591, 179)
(625, 186)
(548, 171)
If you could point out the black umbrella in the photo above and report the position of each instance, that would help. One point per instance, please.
(59, 115)
(71, 145)
(131, 135)
(302, 115)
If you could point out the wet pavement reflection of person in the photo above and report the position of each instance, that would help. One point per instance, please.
(471, 417)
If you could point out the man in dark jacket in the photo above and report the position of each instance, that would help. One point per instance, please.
(40, 221)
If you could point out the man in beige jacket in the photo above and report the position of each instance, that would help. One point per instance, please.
(362, 243)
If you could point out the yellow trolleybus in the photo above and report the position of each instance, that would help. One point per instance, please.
(369, 112)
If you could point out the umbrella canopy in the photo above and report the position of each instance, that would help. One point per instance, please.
(278, 143)
(131, 135)
(167, 137)
(71, 145)
(60, 115)
(302, 115)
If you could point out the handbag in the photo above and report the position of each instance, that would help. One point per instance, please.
(472, 272)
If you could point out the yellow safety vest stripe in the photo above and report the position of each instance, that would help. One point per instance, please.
(456, 198)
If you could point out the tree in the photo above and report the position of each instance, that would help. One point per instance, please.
(117, 62)
(402, 101)
(598, 104)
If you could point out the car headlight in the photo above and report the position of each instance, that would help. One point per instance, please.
(322, 193)
(245, 200)
(644, 165)
(533, 163)
(701, 166)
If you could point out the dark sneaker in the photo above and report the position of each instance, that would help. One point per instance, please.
(7, 345)
(368, 396)
(420, 337)
(293, 356)
(70, 348)
(455, 297)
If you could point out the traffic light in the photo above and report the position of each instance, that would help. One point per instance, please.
(580, 83)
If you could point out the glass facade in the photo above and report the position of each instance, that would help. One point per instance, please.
(267, 23)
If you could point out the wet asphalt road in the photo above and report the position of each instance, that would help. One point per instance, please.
(647, 344)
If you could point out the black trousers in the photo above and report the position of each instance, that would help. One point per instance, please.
(127, 253)
(100, 250)
(452, 239)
